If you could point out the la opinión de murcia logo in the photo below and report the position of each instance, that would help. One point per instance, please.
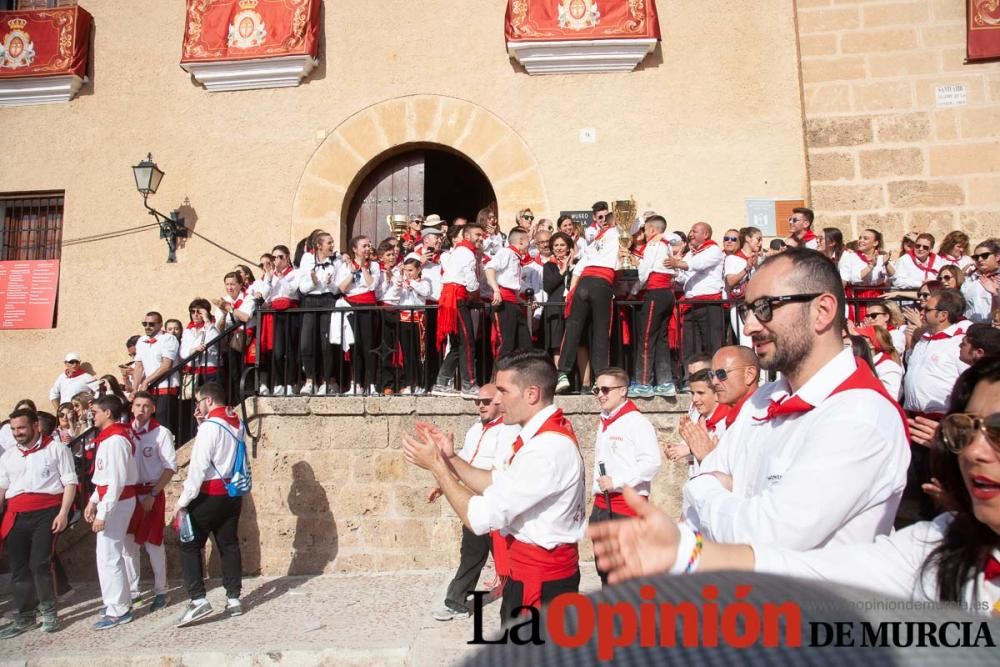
(572, 620)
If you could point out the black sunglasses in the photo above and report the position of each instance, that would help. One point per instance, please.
(482, 401)
(876, 313)
(605, 390)
(722, 374)
(148, 324)
(923, 295)
(763, 308)
(528, 217)
(731, 238)
(982, 257)
(921, 246)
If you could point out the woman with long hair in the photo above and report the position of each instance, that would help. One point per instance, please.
(737, 269)
(831, 243)
(951, 276)
(914, 316)
(358, 279)
(866, 271)
(952, 559)
(317, 286)
(68, 427)
(568, 226)
(954, 249)
(557, 273)
(885, 360)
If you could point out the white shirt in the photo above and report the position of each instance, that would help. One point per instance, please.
(852, 264)
(892, 565)
(507, 265)
(432, 272)
(6, 437)
(602, 252)
(703, 276)
(325, 282)
(194, 337)
(833, 475)
(151, 355)
(733, 265)
(461, 266)
(910, 276)
(65, 388)
(629, 450)
(284, 285)
(531, 278)
(483, 442)
(540, 498)
(492, 244)
(114, 467)
(213, 452)
(898, 336)
(358, 286)
(590, 233)
(154, 451)
(656, 251)
(979, 302)
(889, 373)
(932, 369)
(405, 292)
(48, 470)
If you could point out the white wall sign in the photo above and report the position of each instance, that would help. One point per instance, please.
(951, 96)
(588, 135)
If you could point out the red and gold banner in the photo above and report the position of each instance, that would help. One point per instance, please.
(983, 29)
(561, 20)
(28, 291)
(44, 42)
(247, 29)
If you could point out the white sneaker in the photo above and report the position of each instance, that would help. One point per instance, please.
(307, 389)
(289, 390)
(263, 391)
(372, 391)
(322, 390)
(355, 390)
(446, 613)
(278, 391)
(194, 612)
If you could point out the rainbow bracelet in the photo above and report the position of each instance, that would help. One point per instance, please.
(699, 543)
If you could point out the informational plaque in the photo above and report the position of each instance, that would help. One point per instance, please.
(28, 291)
(582, 218)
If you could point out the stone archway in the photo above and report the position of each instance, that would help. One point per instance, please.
(355, 147)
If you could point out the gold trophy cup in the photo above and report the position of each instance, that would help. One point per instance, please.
(397, 225)
(624, 215)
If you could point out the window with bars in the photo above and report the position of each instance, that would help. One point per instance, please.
(32, 226)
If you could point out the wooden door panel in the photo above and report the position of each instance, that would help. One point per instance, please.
(395, 187)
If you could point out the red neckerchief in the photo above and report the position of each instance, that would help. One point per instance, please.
(238, 302)
(74, 373)
(882, 358)
(192, 325)
(720, 413)
(627, 407)
(602, 233)
(739, 253)
(734, 411)
(556, 423)
(288, 269)
(807, 236)
(704, 246)
(926, 268)
(150, 425)
(537, 259)
(124, 430)
(991, 570)
(640, 250)
(467, 245)
(415, 238)
(226, 415)
(486, 427)
(42, 443)
(150, 339)
(524, 259)
(950, 259)
(943, 335)
(863, 256)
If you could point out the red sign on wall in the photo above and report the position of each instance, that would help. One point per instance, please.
(246, 29)
(559, 20)
(44, 42)
(28, 292)
(983, 29)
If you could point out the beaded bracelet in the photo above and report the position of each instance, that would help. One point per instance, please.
(699, 543)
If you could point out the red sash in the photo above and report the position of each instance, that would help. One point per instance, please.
(267, 322)
(509, 295)
(26, 502)
(128, 491)
(532, 566)
(363, 299)
(602, 272)
(688, 302)
(451, 295)
(214, 487)
(659, 281)
(618, 504)
(148, 527)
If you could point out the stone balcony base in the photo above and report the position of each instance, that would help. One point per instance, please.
(284, 72)
(39, 90)
(581, 56)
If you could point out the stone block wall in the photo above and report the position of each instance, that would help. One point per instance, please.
(881, 152)
(332, 492)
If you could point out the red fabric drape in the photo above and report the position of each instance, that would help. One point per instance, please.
(559, 20)
(242, 30)
(983, 29)
(44, 42)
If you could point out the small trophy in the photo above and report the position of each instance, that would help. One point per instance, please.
(397, 225)
(624, 215)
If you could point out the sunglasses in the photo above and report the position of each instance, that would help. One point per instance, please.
(722, 374)
(958, 430)
(923, 295)
(879, 313)
(982, 257)
(601, 216)
(731, 239)
(527, 217)
(148, 324)
(482, 401)
(605, 390)
(763, 308)
(921, 246)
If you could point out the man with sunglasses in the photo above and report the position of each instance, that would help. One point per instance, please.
(70, 382)
(486, 443)
(599, 213)
(626, 446)
(800, 225)
(981, 288)
(155, 353)
(819, 456)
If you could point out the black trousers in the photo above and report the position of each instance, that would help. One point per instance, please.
(414, 369)
(314, 338)
(510, 320)
(704, 327)
(279, 369)
(513, 593)
(30, 547)
(168, 411)
(432, 360)
(591, 301)
(597, 515)
(218, 516)
(387, 350)
(363, 361)
(652, 346)
(475, 549)
(461, 351)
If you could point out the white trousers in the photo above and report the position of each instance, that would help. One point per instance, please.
(111, 558)
(133, 564)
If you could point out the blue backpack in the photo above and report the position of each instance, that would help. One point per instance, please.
(240, 481)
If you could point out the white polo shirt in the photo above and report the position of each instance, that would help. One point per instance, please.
(484, 442)
(703, 277)
(540, 498)
(115, 468)
(979, 302)
(49, 469)
(507, 265)
(151, 351)
(154, 451)
(910, 276)
(461, 266)
(832, 475)
(932, 369)
(602, 252)
(66, 387)
(627, 446)
(852, 264)
(889, 373)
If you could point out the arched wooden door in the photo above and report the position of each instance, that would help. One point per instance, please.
(396, 186)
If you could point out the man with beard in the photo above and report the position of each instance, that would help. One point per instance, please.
(819, 456)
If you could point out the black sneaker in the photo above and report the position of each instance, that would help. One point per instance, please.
(15, 628)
